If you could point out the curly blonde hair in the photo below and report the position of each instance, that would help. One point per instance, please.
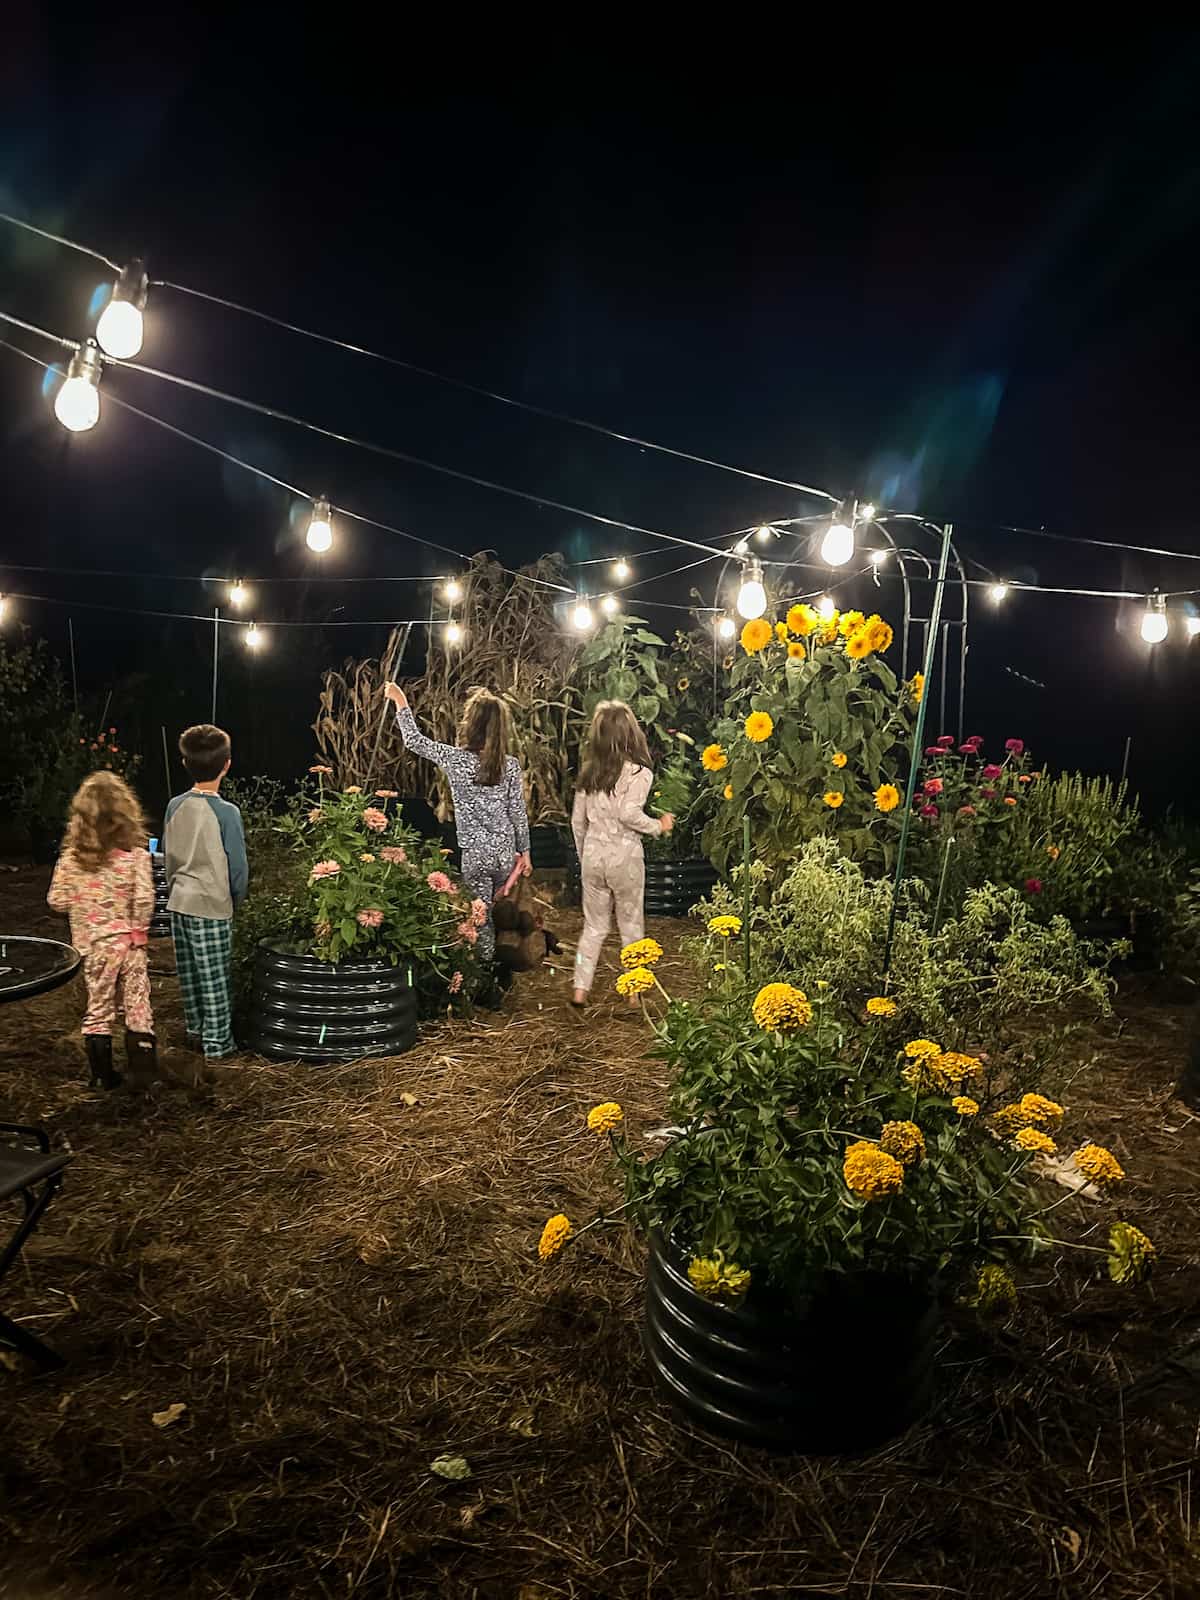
(105, 816)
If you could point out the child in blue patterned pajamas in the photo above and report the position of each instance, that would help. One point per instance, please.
(489, 801)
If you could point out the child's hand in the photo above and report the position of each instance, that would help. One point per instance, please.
(666, 822)
(396, 695)
(526, 862)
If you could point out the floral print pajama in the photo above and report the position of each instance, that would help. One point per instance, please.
(110, 909)
(608, 831)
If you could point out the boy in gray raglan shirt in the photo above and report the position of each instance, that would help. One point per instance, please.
(207, 875)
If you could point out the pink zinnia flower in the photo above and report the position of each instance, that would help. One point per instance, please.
(393, 853)
(456, 983)
(988, 794)
(1015, 747)
(324, 869)
(946, 741)
(930, 811)
(375, 819)
(315, 814)
(1033, 886)
(966, 811)
(387, 794)
(354, 789)
(992, 770)
(933, 786)
(479, 913)
(322, 770)
(371, 918)
(468, 931)
(934, 750)
(440, 883)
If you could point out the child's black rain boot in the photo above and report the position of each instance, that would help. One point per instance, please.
(141, 1053)
(100, 1060)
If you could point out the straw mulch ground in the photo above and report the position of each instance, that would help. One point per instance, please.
(334, 1272)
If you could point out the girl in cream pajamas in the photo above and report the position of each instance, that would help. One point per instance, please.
(608, 821)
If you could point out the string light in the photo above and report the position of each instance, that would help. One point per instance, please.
(997, 592)
(764, 534)
(77, 403)
(452, 633)
(878, 557)
(1154, 619)
(837, 546)
(254, 636)
(741, 548)
(826, 606)
(866, 513)
(726, 628)
(452, 590)
(3, 607)
(610, 605)
(622, 571)
(238, 595)
(752, 596)
(121, 325)
(581, 616)
(1192, 624)
(320, 529)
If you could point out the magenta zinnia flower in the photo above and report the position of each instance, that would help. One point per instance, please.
(988, 794)
(934, 750)
(930, 811)
(1033, 886)
(946, 741)
(933, 786)
(1015, 747)
(992, 770)
(966, 811)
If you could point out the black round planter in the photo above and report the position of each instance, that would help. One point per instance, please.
(160, 923)
(324, 1012)
(674, 887)
(842, 1373)
(1106, 928)
(548, 847)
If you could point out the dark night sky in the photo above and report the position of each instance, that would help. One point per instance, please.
(964, 286)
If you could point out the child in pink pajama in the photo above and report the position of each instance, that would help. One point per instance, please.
(105, 884)
(608, 821)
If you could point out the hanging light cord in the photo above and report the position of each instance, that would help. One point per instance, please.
(58, 238)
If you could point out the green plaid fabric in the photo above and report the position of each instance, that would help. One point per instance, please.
(202, 946)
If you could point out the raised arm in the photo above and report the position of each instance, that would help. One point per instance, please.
(446, 756)
(632, 792)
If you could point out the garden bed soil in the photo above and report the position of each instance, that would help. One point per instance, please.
(336, 1275)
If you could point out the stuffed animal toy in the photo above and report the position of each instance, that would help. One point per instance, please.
(522, 940)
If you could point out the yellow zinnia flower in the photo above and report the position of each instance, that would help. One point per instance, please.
(965, 1106)
(1131, 1255)
(713, 758)
(905, 1141)
(1034, 1140)
(780, 1008)
(887, 797)
(756, 635)
(871, 1172)
(554, 1235)
(714, 1276)
(635, 982)
(881, 1006)
(916, 687)
(858, 645)
(995, 1291)
(641, 953)
(725, 927)
(833, 798)
(796, 651)
(1099, 1165)
(728, 791)
(839, 759)
(1040, 1112)
(606, 1117)
(802, 620)
(919, 1049)
(759, 727)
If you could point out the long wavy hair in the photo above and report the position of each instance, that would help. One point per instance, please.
(614, 738)
(486, 730)
(104, 816)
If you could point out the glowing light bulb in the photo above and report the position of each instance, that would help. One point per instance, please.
(3, 607)
(878, 557)
(320, 529)
(1154, 620)
(1192, 625)
(238, 595)
(741, 547)
(764, 534)
(121, 323)
(838, 544)
(610, 605)
(253, 636)
(866, 513)
(726, 628)
(581, 617)
(998, 592)
(622, 571)
(826, 606)
(752, 596)
(452, 633)
(77, 403)
(452, 590)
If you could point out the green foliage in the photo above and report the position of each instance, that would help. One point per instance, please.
(677, 790)
(824, 705)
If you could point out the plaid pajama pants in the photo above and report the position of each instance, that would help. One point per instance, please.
(202, 946)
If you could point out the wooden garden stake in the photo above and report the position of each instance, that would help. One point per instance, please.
(746, 892)
(918, 741)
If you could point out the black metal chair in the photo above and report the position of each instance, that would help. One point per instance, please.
(29, 1168)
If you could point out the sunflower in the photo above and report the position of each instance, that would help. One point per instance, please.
(713, 758)
(759, 727)
(833, 798)
(796, 651)
(887, 797)
(802, 620)
(881, 1006)
(858, 645)
(849, 621)
(871, 1172)
(756, 635)
(916, 687)
(781, 632)
(879, 634)
(838, 758)
(830, 631)
(779, 1008)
